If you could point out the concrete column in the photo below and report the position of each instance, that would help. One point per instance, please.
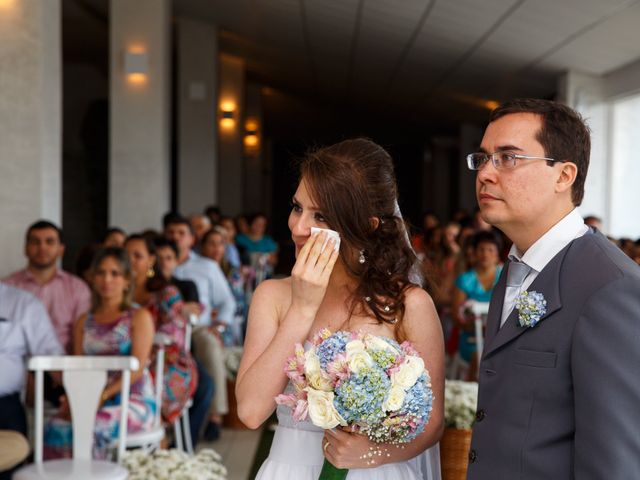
(230, 160)
(256, 174)
(30, 122)
(197, 46)
(139, 189)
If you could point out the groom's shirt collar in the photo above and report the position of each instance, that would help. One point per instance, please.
(546, 247)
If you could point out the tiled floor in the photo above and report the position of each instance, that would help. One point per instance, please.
(237, 448)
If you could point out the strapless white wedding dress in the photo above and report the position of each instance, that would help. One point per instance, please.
(296, 454)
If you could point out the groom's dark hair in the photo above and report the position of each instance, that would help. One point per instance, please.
(564, 135)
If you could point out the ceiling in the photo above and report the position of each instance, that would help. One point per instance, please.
(423, 56)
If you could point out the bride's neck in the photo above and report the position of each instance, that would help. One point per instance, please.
(341, 282)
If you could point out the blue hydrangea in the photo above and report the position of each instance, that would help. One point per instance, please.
(359, 399)
(331, 347)
(531, 308)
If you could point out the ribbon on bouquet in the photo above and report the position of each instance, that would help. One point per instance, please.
(330, 472)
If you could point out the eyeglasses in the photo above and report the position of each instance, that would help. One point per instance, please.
(500, 160)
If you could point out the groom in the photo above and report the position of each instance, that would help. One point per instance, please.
(560, 377)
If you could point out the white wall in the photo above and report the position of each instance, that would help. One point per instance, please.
(30, 122)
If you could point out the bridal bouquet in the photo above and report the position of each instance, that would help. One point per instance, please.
(372, 384)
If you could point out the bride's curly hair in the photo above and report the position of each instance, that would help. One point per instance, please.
(354, 185)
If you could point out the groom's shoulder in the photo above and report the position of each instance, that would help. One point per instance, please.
(599, 254)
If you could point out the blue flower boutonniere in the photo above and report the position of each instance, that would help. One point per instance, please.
(531, 308)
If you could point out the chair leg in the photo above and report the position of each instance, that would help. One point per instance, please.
(177, 431)
(187, 430)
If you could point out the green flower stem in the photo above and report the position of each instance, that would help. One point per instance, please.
(329, 472)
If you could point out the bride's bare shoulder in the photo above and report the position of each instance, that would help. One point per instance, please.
(419, 306)
(275, 291)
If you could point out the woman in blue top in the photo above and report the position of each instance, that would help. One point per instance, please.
(258, 249)
(475, 284)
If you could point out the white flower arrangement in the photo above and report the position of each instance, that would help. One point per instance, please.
(460, 403)
(174, 465)
(232, 357)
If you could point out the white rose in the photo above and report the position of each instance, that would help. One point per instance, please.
(315, 376)
(357, 356)
(395, 399)
(311, 362)
(377, 343)
(321, 410)
(320, 381)
(409, 371)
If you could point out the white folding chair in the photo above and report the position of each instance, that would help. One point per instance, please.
(181, 425)
(149, 440)
(84, 378)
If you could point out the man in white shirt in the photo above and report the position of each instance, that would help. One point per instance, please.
(25, 330)
(559, 389)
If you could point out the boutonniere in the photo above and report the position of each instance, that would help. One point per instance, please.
(531, 308)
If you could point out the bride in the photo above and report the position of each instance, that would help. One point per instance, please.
(348, 187)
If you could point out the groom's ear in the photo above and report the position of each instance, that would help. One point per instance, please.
(567, 176)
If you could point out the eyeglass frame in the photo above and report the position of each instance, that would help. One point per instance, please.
(497, 163)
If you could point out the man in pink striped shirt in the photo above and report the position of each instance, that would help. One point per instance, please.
(65, 296)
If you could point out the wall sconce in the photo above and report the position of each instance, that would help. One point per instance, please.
(227, 115)
(136, 65)
(251, 138)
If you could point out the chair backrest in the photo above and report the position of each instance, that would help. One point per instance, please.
(191, 322)
(84, 378)
(160, 340)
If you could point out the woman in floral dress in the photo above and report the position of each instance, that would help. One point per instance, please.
(111, 327)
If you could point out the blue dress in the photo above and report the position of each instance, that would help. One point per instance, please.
(470, 285)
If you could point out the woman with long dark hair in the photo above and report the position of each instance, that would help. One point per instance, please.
(370, 285)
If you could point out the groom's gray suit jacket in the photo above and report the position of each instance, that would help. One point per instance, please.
(561, 400)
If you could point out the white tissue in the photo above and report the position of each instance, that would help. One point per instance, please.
(330, 234)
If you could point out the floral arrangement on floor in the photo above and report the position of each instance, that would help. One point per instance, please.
(460, 403)
(372, 384)
(174, 465)
(232, 357)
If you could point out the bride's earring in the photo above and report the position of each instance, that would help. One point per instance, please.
(361, 258)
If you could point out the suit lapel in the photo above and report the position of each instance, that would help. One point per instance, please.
(495, 306)
(547, 283)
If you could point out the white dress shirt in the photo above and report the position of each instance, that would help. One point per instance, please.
(25, 329)
(540, 254)
(213, 288)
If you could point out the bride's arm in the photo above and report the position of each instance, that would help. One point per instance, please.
(423, 329)
(280, 315)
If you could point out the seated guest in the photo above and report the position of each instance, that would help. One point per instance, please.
(475, 284)
(25, 330)
(200, 225)
(219, 308)
(231, 252)
(65, 296)
(214, 214)
(14, 448)
(114, 237)
(214, 246)
(167, 261)
(260, 248)
(593, 221)
(164, 302)
(112, 327)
